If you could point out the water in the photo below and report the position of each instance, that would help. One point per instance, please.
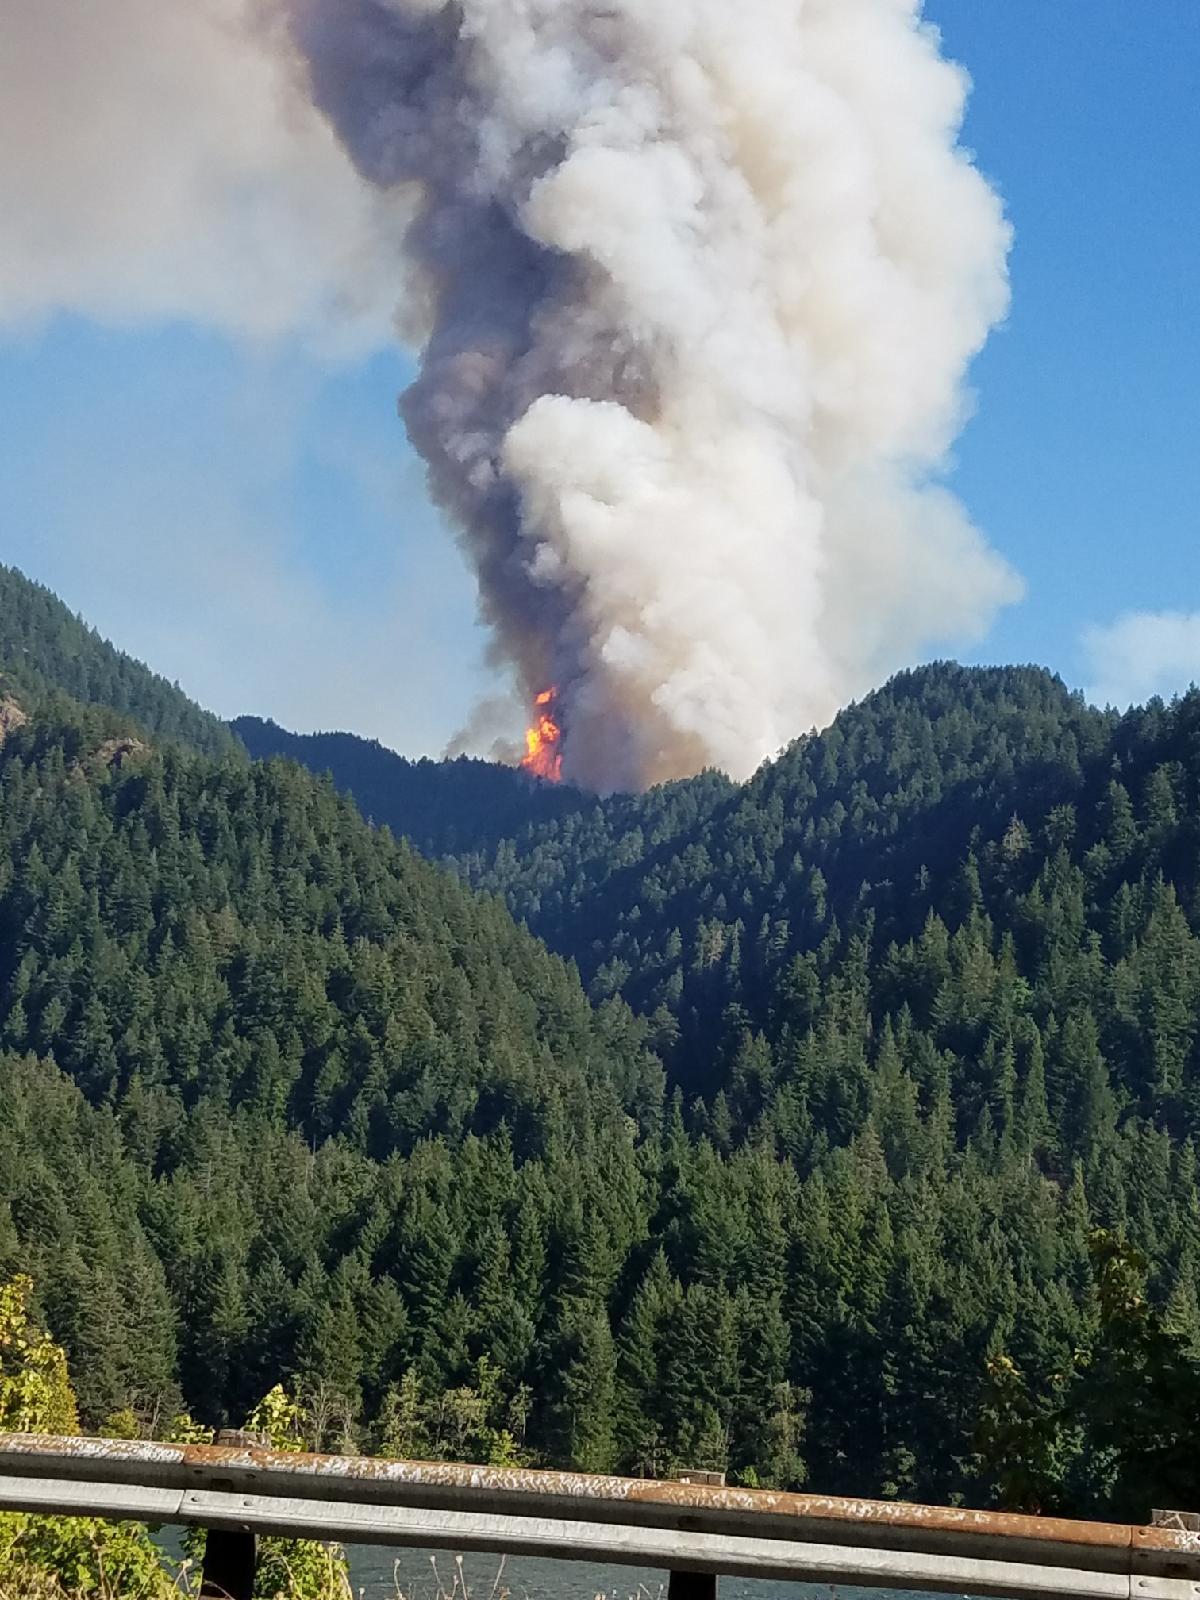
(383, 1574)
(379, 1573)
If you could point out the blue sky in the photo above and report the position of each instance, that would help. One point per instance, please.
(1082, 462)
(250, 522)
(245, 514)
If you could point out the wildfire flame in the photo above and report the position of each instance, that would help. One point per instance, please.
(543, 741)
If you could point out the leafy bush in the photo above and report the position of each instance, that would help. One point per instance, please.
(77, 1558)
(73, 1556)
(288, 1569)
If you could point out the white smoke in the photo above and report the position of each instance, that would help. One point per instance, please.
(159, 160)
(1141, 654)
(698, 283)
(703, 281)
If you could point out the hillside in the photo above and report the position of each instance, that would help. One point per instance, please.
(972, 868)
(303, 1051)
(43, 645)
(873, 819)
(464, 810)
(284, 1100)
(442, 807)
(970, 905)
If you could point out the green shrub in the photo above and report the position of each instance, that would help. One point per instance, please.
(59, 1556)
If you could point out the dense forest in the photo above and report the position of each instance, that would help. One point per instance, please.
(43, 645)
(442, 807)
(867, 1162)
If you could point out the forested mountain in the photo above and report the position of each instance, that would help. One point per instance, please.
(296, 1052)
(44, 645)
(937, 972)
(282, 1100)
(995, 874)
(442, 807)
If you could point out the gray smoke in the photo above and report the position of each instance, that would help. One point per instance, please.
(700, 282)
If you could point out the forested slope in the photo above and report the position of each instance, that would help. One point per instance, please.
(972, 869)
(443, 807)
(872, 810)
(43, 645)
(284, 1101)
(275, 1012)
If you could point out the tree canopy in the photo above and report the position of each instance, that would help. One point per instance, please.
(44, 645)
(807, 1185)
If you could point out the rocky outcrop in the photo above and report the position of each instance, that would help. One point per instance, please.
(11, 717)
(116, 752)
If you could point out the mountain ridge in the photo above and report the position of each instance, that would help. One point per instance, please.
(431, 803)
(284, 1101)
(45, 646)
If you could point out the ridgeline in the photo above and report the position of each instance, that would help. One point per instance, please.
(820, 1181)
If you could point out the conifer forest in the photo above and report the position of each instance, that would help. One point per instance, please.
(837, 1130)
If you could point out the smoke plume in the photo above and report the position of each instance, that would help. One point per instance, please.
(157, 162)
(700, 282)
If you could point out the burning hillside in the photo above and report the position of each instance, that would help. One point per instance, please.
(543, 741)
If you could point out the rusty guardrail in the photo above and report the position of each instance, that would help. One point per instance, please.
(694, 1531)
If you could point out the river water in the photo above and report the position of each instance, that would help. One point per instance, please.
(384, 1574)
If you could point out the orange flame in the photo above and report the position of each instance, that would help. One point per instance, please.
(543, 741)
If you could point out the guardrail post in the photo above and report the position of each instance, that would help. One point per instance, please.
(230, 1563)
(695, 1585)
(692, 1586)
(231, 1554)
(1182, 1521)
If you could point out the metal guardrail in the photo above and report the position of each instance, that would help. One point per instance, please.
(694, 1531)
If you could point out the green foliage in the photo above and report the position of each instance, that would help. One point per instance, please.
(442, 807)
(285, 1104)
(293, 1569)
(280, 1419)
(1117, 1429)
(288, 1569)
(35, 1389)
(478, 1421)
(82, 1558)
(301, 1569)
(78, 1556)
(44, 646)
